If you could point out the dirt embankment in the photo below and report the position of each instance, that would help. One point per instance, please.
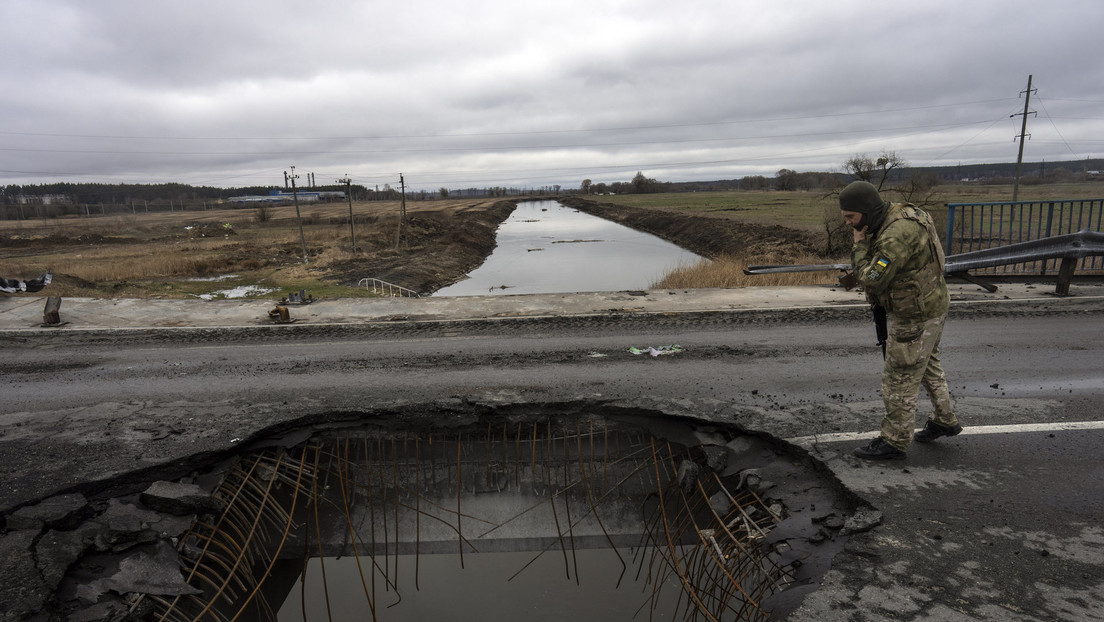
(438, 248)
(441, 243)
(707, 236)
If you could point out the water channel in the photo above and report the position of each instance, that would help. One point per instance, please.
(545, 247)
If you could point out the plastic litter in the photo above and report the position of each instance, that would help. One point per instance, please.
(657, 350)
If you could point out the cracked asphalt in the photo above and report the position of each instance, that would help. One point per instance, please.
(1000, 525)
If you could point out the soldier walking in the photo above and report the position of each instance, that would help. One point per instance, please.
(899, 261)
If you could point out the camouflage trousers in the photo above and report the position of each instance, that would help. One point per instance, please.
(912, 361)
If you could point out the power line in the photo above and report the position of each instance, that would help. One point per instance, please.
(1055, 126)
(521, 133)
(520, 147)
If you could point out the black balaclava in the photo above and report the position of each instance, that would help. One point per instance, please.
(862, 197)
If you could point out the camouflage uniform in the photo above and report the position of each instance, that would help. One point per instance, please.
(901, 269)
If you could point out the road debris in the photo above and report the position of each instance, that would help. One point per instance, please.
(656, 350)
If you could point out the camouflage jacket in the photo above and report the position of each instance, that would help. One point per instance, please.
(901, 267)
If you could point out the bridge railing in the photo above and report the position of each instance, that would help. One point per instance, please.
(383, 288)
(973, 227)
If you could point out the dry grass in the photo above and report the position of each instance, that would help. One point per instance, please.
(728, 271)
(161, 254)
(809, 211)
(156, 255)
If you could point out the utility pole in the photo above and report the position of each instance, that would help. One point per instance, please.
(349, 195)
(1023, 135)
(298, 215)
(402, 211)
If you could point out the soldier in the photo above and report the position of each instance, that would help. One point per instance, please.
(899, 262)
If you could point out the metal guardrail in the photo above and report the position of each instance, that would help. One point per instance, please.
(980, 226)
(1069, 249)
(379, 286)
(1072, 246)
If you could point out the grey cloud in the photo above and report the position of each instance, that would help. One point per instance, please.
(506, 92)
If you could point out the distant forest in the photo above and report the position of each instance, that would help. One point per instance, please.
(64, 197)
(114, 194)
(785, 179)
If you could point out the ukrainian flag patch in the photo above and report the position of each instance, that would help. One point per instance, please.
(878, 268)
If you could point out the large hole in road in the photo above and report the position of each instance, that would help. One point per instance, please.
(606, 515)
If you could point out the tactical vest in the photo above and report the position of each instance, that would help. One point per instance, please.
(918, 291)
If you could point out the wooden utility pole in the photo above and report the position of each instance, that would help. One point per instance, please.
(1023, 135)
(298, 215)
(402, 211)
(349, 195)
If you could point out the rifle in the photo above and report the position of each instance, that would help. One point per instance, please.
(847, 280)
(881, 329)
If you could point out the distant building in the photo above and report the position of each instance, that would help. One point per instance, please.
(41, 199)
(280, 196)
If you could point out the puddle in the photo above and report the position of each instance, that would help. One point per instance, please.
(241, 291)
(209, 279)
(493, 586)
(438, 515)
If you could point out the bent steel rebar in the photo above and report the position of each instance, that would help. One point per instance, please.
(700, 526)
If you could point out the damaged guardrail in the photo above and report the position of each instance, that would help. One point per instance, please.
(1070, 248)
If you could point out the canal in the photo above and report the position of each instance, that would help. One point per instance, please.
(545, 247)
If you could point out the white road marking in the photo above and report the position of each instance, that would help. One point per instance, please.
(1012, 428)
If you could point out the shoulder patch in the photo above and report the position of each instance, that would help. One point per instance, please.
(878, 268)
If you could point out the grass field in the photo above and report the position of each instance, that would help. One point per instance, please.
(180, 254)
(808, 210)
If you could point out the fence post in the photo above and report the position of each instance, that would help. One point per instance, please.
(1065, 276)
(1050, 219)
(51, 315)
(950, 229)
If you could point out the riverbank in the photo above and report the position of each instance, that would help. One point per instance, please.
(205, 254)
(708, 236)
(259, 250)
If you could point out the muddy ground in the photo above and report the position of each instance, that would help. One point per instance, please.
(438, 248)
(708, 236)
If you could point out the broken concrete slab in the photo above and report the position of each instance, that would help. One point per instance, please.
(61, 511)
(145, 569)
(179, 499)
(22, 589)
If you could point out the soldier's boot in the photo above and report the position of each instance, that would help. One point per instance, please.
(933, 430)
(879, 450)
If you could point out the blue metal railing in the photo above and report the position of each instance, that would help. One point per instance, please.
(979, 226)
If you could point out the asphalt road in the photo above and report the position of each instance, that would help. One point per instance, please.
(1000, 525)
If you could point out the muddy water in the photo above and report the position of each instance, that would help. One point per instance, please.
(490, 586)
(546, 247)
(574, 517)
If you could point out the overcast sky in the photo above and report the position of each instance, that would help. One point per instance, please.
(532, 93)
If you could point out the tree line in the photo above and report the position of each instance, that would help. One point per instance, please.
(885, 168)
(125, 194)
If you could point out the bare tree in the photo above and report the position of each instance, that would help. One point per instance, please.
(874, 170)
(838, 237)
(919, 189)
